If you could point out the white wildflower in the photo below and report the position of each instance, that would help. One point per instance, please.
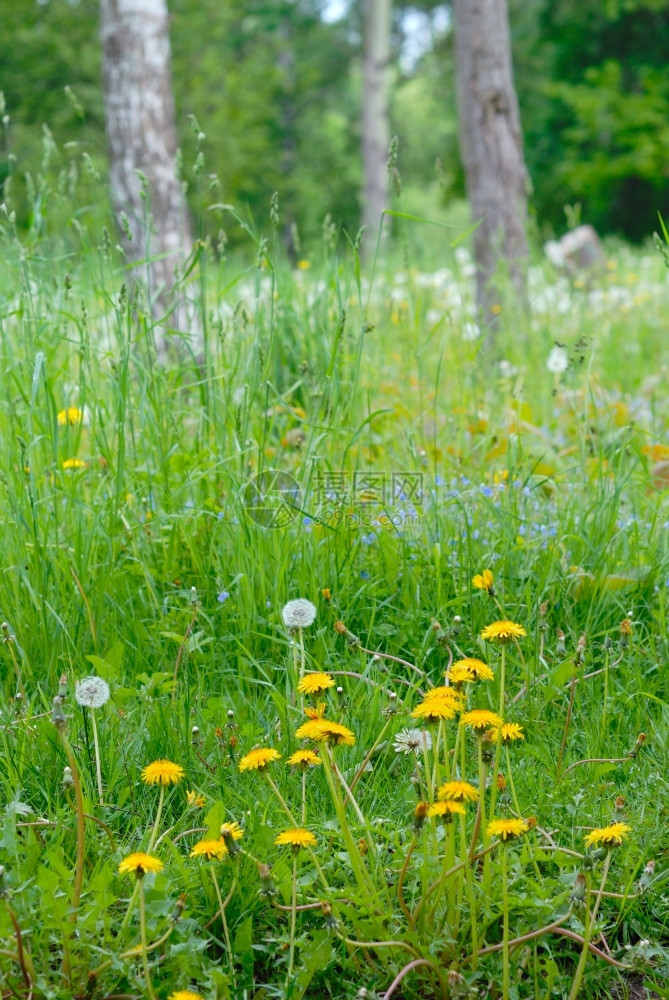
(412, 741)
(91, 692)
(471, 331)
(558, 360)
(299, 613)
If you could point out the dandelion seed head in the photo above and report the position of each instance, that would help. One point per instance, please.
(299, 613)
(91, 692)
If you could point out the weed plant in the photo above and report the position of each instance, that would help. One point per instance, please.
(375, 612)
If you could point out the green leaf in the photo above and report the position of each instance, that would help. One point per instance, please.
(316, 955)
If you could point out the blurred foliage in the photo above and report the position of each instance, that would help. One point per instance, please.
(594, 98)
(276, 91)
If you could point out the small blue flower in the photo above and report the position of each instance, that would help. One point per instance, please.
(223, 596)
(364, 574)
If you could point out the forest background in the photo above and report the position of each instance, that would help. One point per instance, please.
(590, 75)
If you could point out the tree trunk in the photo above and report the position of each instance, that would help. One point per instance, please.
(491, 146)
(375, 124)
(141, 136)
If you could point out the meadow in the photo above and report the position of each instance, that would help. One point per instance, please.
(389, 720)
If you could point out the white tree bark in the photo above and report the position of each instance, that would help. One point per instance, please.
(141, 136)
(491, 144)
(375, 123)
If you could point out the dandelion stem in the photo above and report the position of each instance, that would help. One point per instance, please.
(505, 925)
(81, 826)
(588, 924)
(226, 933)
(96, 746)
(400, 884)
(362, 877)
(159, 812)
(142, 938)
(293, 925)
(368, 756)
(470, 888)
(281, 800)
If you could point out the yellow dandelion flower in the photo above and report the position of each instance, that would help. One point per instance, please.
(73, 463)
(315, 684)
(259, 759)
(210, 849)
(507, 829)
(195, 799)
(185, 995)
(140, 864)
(433, 710)
(296, 838)
(484, 581)
(608, 836)
(457, 791)
(447, 693)
(315, 713)
(458, 674)
(72, 415)
(503, 631)
(162, 772)
(324, 731)
(304, 759)
(481, 719)
(478, 670)
(511, 731)
(447, 809)
(233, 830)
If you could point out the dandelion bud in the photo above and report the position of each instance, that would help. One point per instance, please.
(341, 629)
(4, 892)
(57, 713)
(340, 689)
(543, 609)
(420, 815)
(578, 892)
(193, 595)
(580, 649)
(454, 978)
(646, 876)
(179, 907)
(267, 888)
(640, 740)
(608, 643)
(195, 735)
(560, 646)
(531, 822)
(625, 632)
(329, 917)
(68, 780)
(231, 714)
(501, 782)
(363, 847)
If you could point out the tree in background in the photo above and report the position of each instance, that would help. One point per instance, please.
(491, 145)
(594, 89)
(142, 144)
(375, 122)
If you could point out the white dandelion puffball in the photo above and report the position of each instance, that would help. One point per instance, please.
(558, 360)
(413, 741)
(92, 692)
(298, 614)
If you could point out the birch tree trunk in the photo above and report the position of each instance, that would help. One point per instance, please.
(141, 136)
(491, 145)
(375, 124)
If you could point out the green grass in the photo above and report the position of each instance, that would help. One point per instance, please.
(334, 371)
